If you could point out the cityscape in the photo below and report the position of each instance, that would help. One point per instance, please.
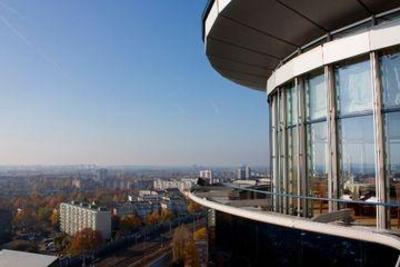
(102, 216)
(210, 133)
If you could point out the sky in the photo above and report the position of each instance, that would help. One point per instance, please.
(119, 83)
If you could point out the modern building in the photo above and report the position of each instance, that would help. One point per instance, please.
(183, 184)
(76, 217)
(140, 208)
(208, 176)
(244, 173)
(148, 195)
(331, 74)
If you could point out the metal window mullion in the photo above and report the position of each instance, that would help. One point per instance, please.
(270, 100)
(302, 183)
(283, 113)
(382, 213)
(332, 138)
(274, 146)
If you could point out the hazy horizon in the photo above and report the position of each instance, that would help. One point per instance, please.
(120, 83)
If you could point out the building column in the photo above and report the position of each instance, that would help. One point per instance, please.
(302, 181)
(284, 150)
(333, 167)
(382, 213)
(275, 149)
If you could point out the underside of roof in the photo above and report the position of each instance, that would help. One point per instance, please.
(249, 38)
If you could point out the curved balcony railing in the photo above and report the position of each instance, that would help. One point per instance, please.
(257, 204)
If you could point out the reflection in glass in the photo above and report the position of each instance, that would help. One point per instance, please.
(291, 105)
(390, 77)
(318, 158)
(353, 87)
(357, 158)
(316, 97)
(392, 146)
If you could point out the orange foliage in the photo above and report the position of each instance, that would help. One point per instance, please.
(85, 240)
(152, 218)
(200, 234)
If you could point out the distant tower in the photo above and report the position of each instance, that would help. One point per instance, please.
(247, 172)
(244, 173)
(207, 174)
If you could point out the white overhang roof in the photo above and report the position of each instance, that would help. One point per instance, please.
(247, 39)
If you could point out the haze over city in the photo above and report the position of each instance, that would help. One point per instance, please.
(126, 84)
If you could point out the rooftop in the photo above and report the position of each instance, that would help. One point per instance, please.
(22, 259)
(247, 39)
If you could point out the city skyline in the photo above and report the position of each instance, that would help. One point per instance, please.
(106, 84)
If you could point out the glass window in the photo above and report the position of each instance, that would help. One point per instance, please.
(353, 87)
(318, 158)
(291, 105)
(390, 77)
(392, 146)
(316, 97)
(392, 131)
(357, 158)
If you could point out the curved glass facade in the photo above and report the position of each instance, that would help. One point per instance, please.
(329, 128)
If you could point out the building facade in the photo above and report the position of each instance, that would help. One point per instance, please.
(330, 71)
(76, 217)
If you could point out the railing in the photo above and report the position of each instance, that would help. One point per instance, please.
(390, 204)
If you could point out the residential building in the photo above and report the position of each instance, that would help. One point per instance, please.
(76, 217)
(244, 173)
(136, 207)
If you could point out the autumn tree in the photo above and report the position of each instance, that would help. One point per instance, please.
(44, 214)
(85, 240)
(130, 223)
(183, 247)
(54, 218)
(193, 207)
(152, 218)
(200, 234)
(166, 215)
(179, 239)
(191, 255)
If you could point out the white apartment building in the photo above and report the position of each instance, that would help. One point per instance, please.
(183, 184)
(76, 217)
(207, 174)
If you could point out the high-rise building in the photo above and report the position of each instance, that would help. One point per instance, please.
(207, 174)
(244, 173)
(330, 71)
(76, 217)
(241, 173)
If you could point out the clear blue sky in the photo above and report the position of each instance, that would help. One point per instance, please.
(119, 82)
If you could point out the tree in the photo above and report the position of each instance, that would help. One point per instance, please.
(191, 254)
(54, 217)
(44, 214)
(193, 207)
(200, 234)
(152, 218)
(183, 247)
(166, 215)
(85, 240)
(130, 223)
